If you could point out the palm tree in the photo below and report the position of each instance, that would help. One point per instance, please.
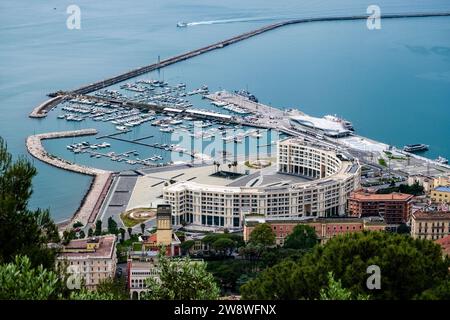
(218, 166)
(215, 163)
(130, 231)
(229, 166)
(143, 228)
(235, 163)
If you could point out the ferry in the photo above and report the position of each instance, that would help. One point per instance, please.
(415, 147)
(347, 124)
(442, 160)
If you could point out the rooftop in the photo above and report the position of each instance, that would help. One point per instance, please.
(77, 249)
(445, 244)
(367, 196)
(431, 215)
(249, 220)
(442, 189)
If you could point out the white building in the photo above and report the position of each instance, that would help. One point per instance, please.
(90, 261)
(323, 179)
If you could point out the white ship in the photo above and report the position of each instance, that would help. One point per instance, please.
(442, 160)
(347, 124)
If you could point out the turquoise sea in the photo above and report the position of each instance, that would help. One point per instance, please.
(393, 83)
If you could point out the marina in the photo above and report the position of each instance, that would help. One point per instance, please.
(148, 95)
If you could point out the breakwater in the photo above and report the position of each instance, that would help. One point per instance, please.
(91, 203)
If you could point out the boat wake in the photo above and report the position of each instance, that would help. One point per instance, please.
(199, 23)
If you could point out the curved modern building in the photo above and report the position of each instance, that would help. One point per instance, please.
(309, 181)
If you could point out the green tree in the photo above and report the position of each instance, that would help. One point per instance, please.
(224, 245)
(408, 267)
(302, 237)
(112, 226)
(277, 283)
(22, 231)
(90, 232)
(115, 286)
(439, 292)
(68, 235)
(77, 224)
(262, 234)
(122, 234)
(20, 281)
(187, 245)
(81, 235)
(335, 291)
(181, 279)
(98, 228)
(85, 294)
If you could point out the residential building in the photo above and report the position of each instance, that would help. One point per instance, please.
(441, 194)
(442, 181)
(93, 259)
(326, 228)
(394, 208)
(426, 182)
(139, 270)
(311, 181)
(430, 225)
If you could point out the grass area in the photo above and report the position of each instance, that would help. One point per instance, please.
(130, 221)
(137, 246)
(382, 162)
(123, 247)
(392, 157)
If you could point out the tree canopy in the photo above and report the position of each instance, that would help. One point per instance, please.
(22, 231)
(302, 237)
(408, 267)
(262, 234)
(181, 279)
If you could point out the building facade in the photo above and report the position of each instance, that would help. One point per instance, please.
(143, 264)
(326, 228)
(331, 179)
(441, 194)
(394, 208)
(430, 225)
(92, 260)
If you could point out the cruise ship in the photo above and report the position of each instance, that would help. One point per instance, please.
(415, 147)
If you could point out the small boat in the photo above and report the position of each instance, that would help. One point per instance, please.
(182, 24)
(442, 160)
(121, 128)
(415, 147)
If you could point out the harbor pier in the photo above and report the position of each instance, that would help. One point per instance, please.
(91, 203)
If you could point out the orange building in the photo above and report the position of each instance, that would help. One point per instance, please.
(326, 228)
(394, 208)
